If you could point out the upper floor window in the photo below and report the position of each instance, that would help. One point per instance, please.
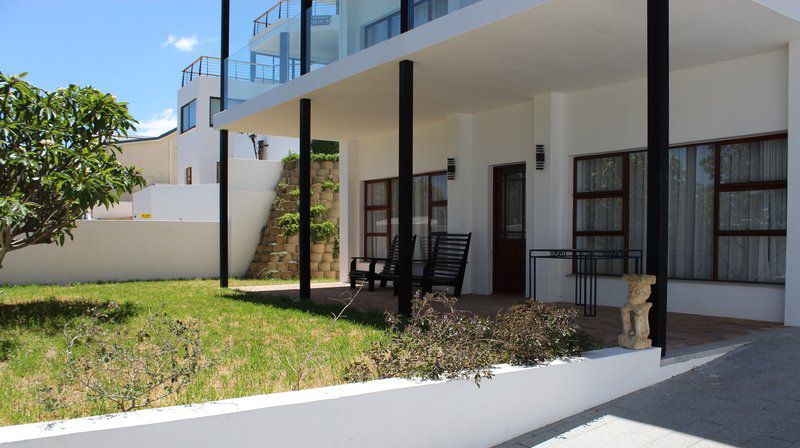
(215, 107)
(727, 208)
(389, 26)
(189, 116)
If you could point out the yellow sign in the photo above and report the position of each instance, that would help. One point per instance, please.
(146, 216)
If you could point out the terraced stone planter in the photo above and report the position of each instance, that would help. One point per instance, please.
(277, 256)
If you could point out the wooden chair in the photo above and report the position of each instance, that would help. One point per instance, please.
(388, 271)
(447, 263)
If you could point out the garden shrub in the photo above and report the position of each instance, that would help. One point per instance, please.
(127, 368)
(533, 332)
(441, 342)
(433, 344)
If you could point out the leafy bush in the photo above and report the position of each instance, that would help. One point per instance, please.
(128, 368)
(315, 157)
(330, 184)
(321, 230)
(324, 147)
(441, 342)
(533, 332)
(434, 344)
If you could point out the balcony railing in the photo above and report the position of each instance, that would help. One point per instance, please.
(284, 9)
(202, 66)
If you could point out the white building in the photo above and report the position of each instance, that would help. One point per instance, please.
(495, 79)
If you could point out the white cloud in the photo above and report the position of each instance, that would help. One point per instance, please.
(158, 123)
(183, 43)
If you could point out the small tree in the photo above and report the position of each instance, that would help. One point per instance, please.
(58, 159)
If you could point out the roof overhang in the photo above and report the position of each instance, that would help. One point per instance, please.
(499, 52)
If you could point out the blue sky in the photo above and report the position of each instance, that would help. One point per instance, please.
(119, 46)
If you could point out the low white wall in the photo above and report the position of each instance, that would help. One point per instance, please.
(118, 251)
(159, 249)
(430, 414)
(123, 210)
(177, 203)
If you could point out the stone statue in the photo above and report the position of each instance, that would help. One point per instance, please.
(635, 324)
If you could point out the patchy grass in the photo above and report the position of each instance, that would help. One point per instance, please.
(255, 342)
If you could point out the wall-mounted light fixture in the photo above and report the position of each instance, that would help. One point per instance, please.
(540, 157)
(451, 168)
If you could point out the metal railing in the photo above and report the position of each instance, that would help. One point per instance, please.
(202, 66)
(284, 9)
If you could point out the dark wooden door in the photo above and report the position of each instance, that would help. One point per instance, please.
(509, 229)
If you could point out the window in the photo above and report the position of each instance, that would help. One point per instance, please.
(381, 211)
(188, 174)
(389, 26)
(188, 116)
(727, 208)
(214, 106)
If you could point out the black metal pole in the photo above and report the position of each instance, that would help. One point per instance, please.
(223, 149)
(405, 186)
(406, 15)
(304, 164)
(658, 163)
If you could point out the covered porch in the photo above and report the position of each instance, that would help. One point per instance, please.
(544, 86)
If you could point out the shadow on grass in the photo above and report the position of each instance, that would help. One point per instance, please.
(369, 318)
(49, 316)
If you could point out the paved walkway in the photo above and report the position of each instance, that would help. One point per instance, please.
(748, 398)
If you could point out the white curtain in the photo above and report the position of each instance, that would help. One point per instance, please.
(691, 211)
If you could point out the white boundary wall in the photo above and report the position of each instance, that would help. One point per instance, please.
(119, 251)
(158, 250)
(432, 413)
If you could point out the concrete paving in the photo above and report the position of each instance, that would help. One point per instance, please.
(748, 398)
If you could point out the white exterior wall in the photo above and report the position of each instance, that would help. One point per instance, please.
(735, 98)
(199, 147)
(792, 299)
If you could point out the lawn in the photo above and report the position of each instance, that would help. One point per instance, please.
(255, 343)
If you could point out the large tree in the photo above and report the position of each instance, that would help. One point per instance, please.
(58, 159)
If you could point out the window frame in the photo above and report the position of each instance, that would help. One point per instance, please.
(194, 124)
(187, 172)
(211, 109)
(719, 188)
(387, 207)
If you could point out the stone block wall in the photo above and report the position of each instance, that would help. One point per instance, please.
(277, 254)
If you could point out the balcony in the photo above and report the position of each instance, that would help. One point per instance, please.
(322, 11)
(338, 28)
(202, 66)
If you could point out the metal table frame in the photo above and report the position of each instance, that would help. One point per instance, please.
(585, 268)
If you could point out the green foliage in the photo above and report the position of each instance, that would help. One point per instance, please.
(434, 345)
(324, 147)
(330, 184)
(58, 159)
(454, 344)
(321, 230)
(293, 157)
(289, 224)
(128, 368)
(295, 192)
(533, 333)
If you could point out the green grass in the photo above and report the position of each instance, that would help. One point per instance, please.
(251, 340)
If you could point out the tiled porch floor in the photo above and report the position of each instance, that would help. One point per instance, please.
(683, 330)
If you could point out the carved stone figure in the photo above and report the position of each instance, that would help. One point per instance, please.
(635, 324)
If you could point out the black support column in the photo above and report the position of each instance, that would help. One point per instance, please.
(405, 186)
(223, 149)
(304, 164)
(658, 163)
(405, 169)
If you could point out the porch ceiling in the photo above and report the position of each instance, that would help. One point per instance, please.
(557, 46)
